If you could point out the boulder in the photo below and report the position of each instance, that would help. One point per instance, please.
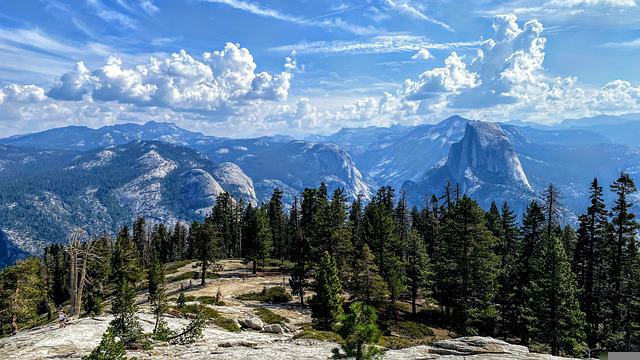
(253, 323)
(274, 328)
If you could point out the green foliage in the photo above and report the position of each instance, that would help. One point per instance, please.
(22, 294)
(326, 304)
(272, 295)
(181, 300)
(358, 330)
(366, 284)
(309, 333)
(466, 267)
(558, 320)
(109, 348)
(211, 315)
(162, 331)
(269, 317)
(125, 323)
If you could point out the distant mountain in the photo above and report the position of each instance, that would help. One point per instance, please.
(483, 164)
(600, 120)
(84, 138)
(102, 189)
(101, 178)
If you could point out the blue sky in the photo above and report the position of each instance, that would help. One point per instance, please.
(246, 67)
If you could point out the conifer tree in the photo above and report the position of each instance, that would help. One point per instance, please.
(179, 242)
(326, 304)
(22, 289)
(355, 222)
(508, 274)
(466, 268)
(207, 248)
(559, 321)
(590, 262)
(125, 262)
(300, 252)
(366, 284)
(528, 249)
(278, 225)
(125, 323)
(140, 239)
(222, 217)
(359, 330)
(418, 268)
(621, 256)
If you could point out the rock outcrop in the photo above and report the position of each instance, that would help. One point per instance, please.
(476, 348)
(81, 336)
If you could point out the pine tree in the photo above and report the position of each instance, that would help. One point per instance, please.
(590, 262)
(359, 330)
(418, 268)
(140, 239)
(257, 236)
(125, 262)
(355, 222)
(559, 321)
(622, 254)
(326, 304)
(466, 268)
(125, 323)
(179, 242)
(383, 237)
(300, 252)
(22, 290)
(366, 284)
(222, 217)
(278, 225)
(508, 274)
(207, 247)
(528, 249)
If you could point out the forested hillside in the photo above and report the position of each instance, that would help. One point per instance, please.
(450, 264)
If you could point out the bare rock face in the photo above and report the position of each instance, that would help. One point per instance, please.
(82, 335)
(475, 347)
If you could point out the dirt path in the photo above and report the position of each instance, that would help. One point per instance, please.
(236, 278)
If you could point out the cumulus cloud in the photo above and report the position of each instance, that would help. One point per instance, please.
(178, 81)
(451, 78)
(422, 54)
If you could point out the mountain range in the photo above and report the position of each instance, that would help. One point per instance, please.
(99, 179)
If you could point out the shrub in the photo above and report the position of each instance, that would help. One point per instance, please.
(273, 295)
(269, 317)
(108, 349)
(210, 315)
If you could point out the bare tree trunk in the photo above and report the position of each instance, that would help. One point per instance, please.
(73, 286)
(83, 278)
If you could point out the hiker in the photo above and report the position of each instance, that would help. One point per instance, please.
(62, 319)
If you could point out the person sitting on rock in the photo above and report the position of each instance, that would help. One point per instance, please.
(62, 319)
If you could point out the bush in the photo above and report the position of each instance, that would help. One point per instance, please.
(175, 266)
(108, 349)
(192, 275)
(273, 295)
(209, 300)
(269, 317)
(210, 315)
(411, 329)
(162, 333)
(309, 333)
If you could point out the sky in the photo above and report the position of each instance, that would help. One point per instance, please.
(243, 68)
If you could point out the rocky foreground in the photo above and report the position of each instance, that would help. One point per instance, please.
(81, 336)
(255, 341)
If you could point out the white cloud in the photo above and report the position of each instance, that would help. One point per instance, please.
(451, 78)
(422, 54)
(107, 14)
(631, 44)
(319, 21)
(149, 7)
(179, 81)
(383, 44)
(407, 8)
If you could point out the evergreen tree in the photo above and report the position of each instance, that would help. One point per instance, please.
(125, 262)
(558, 320)
(508, 274)
(257, 236)
(326, 304)
(623, 252)
(140, 239)
(528, 249)
(419, 276)
(179, 243)
(590, 262)
(125, 323)
(207, 247)
(366, 284)
(300, 252)
(355, 222)
(223, 217)
(466, 268)
(278, 225)
(359, 330)
(22, 290)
